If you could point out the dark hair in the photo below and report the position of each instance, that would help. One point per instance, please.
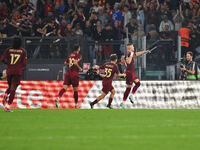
(113, 57)
(76, 46)
(129, 44)
(17, 42)
(189, 52)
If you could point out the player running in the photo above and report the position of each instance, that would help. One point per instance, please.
(131, 77)
(72, 75)
(15, 59)
(110, 68)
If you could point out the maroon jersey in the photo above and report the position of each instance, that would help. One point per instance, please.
(130, 67)
(109, 70)
(70, 61)
(15, 60)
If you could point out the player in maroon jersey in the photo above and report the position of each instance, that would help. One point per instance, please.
(72, 75)
(110, 68)
(15, 59)
(131, 77)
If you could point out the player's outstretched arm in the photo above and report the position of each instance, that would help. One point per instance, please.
(142, 53)
(121, 75)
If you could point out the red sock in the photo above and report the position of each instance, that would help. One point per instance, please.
(126, 93)
(135, 87)
(94, 102)
(11, 97)
(110, 101)
(62, 91)
(76, 96)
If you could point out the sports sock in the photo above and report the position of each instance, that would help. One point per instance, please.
(110, 101)
(135, 87)
(7, 91)
(94, 102)
(76, 96)
(126, 93)
(62, 91)
(11, 97)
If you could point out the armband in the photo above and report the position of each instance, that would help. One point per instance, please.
(132, 54)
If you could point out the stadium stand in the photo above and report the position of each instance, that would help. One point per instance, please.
(50, 28)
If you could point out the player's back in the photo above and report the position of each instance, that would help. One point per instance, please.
(109, 71)
(70, 61)
(130, 67)
(15, 60)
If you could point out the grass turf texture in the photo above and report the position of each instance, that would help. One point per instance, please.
(53, 129)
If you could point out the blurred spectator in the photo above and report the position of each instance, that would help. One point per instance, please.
(3, 10)
(62, 31)
(107, 35)
(37, 27)
(166, 25)
(61, 7)
(178, 18)
(49, 8)
(95, 6)
(108, 10)
(102, 16)
(40, 8)
(131, 27)
(77, 30)
(133, 8)
(102, 3)
(117, 35)
(195, 6)
(117, 14)
(127, 15)
(153, 35)
(89, 35)
(140, 16)
(49, 29)
(98, 39)
(70, 6)
(93, 20)
(138, 35)
(184, 33)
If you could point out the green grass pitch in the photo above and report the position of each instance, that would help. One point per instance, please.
(102, 129)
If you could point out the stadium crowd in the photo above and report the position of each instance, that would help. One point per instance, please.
(101, 20)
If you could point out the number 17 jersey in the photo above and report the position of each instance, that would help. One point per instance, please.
(15, 60)
(70, 61)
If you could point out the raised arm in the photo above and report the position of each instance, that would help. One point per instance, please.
(142, 53)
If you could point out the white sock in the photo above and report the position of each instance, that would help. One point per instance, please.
(123, 102)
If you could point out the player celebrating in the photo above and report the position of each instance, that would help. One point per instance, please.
(72, 75)
(15, 59)
(129, 59)
(110, 68)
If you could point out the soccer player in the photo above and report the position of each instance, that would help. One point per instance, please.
(131, 77)
(110, 68)
(72, 75)
(15, 59)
